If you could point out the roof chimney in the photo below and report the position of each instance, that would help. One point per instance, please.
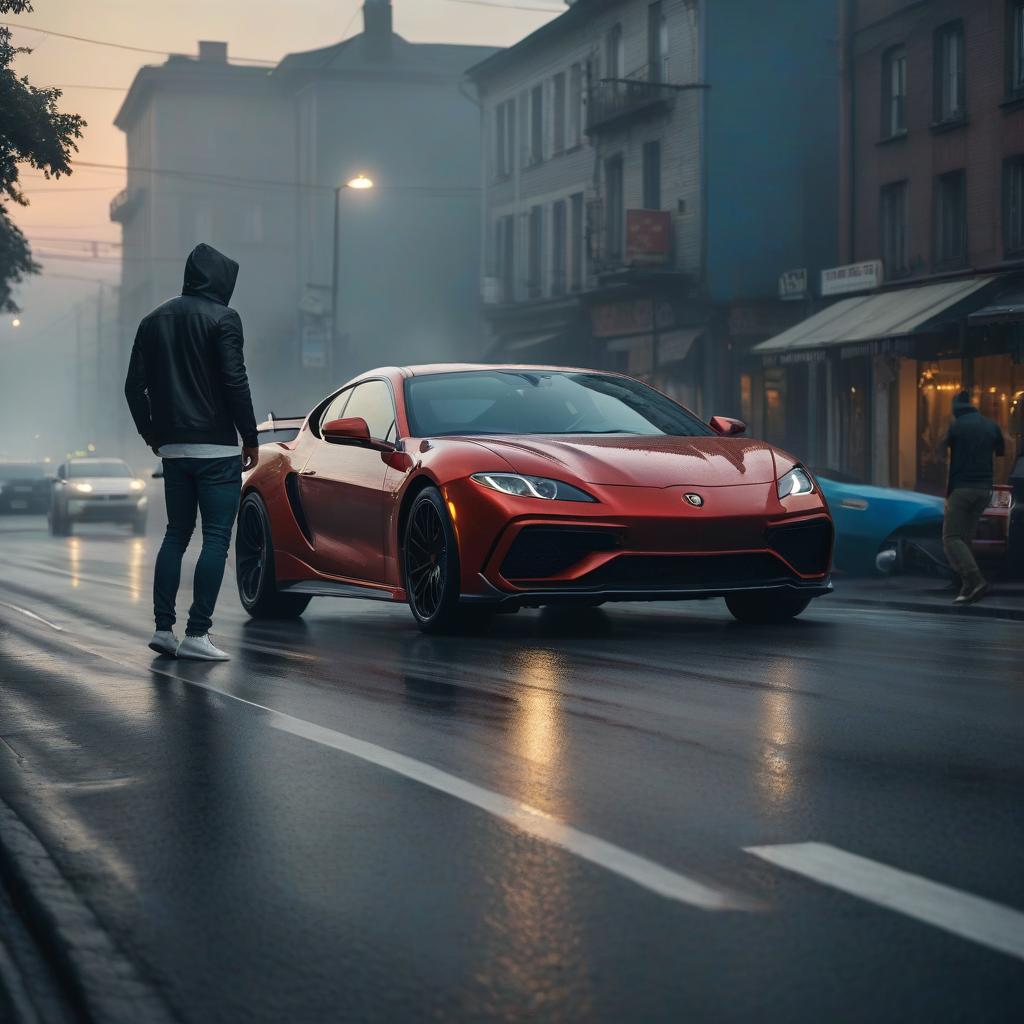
(215, 53)
(377, 28)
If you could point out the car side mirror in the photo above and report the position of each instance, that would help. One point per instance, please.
(348, 431)
(728, 427)
(157, 474)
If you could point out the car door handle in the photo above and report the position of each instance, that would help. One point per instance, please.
(308, 472)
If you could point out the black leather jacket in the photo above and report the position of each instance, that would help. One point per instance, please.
(186, 381)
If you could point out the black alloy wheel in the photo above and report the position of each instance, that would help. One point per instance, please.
(430, 564)
(254, 566)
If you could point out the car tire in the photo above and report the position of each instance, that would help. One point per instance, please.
(60, 525)
(431, 569)
(766, 608)
(254, 566)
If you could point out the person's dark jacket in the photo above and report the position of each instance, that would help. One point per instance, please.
(972, 440)
(186, 380)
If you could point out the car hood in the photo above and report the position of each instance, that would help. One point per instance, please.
(629, 461)
(103, 484)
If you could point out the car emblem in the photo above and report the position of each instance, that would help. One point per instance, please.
(694, 499)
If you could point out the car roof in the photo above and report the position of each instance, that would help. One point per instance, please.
(428, 369)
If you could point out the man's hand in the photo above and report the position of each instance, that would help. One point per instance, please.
(250, 458)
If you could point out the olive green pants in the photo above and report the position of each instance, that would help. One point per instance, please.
(964, 508)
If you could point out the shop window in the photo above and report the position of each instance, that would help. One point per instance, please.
(1015, 54)
(894, 229)
(938, 384)
(950, 220)
(950, 74)
(854, 416)
(998, 386)
(1013, 206)
(894, 92)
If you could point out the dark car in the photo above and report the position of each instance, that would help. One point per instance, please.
(25, 486)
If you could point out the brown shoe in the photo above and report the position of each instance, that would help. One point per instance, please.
(971, 593)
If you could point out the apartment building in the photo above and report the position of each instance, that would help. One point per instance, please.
(640, 193)
(932, 233)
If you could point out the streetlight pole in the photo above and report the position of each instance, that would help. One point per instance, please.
(359, 183)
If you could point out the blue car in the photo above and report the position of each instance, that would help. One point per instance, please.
(869, 520)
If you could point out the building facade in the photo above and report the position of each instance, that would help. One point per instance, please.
(932, 200)
(255, 161)
(642, 184)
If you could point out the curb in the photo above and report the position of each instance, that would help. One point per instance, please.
(101, 982)
(977, 611)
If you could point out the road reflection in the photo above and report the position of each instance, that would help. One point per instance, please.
(75, 560)
(136, 560)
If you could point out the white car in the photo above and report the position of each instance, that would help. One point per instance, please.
(97, 490)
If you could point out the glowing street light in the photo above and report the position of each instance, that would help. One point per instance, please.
(360, 182)
(15, 322)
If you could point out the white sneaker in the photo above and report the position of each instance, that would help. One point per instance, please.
(164, 642)
(200, 648)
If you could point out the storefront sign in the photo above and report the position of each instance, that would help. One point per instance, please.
(793, 284)
(648, 237)
(314, 347)
(855, 277)
(637, 317)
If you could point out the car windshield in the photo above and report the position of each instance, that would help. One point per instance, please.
(22, 471)
(542, 402)
(99, 467)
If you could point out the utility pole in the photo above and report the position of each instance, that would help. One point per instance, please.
(79, 382)
(100, 380)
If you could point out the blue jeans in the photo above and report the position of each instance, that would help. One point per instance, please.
(212, 488)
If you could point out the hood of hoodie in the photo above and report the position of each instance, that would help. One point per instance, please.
(210, 273)
(962, 406)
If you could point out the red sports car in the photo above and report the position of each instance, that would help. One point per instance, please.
(468, 489)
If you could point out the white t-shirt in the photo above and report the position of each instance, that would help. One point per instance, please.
(197, 451)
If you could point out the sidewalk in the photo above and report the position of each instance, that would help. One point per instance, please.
(920, 594)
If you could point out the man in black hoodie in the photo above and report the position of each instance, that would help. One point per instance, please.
(972, 441)
(189, 396)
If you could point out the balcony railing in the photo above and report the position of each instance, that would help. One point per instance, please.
(124, 204)
(614, 99)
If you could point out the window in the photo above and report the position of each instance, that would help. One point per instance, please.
(505, 257)
(577, 271)
(893, 222)
(335, 409)
(504, 137)
(657, 42)
(950, 104)
(1013, 206)
(558, 114)
(1015, 63)
(652, 175)
(950, 219)
(613, 52)
(894, 92)
(575, 105)
(536, 252)
(372, 401)
(613, 209)
(537, 124)
(558, 247)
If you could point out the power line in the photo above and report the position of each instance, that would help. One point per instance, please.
(123, 46)
(76, 188)
(508, 7)
(82, 85)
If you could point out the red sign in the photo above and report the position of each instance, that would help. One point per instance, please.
(648, 236)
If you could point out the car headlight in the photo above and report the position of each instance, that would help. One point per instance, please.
(137, 485)
(83, 488)
(532, 487)
(796, 481)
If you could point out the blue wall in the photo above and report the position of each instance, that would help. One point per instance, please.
(772, 134)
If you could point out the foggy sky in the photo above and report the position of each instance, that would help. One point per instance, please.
(77, 207)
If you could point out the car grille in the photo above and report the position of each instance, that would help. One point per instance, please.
(542, 551)
(673, 571)
(806, 546)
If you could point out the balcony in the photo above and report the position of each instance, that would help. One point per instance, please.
(613, 100)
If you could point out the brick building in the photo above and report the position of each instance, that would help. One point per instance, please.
(931, 196)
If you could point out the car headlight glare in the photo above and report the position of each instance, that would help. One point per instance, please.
(137, 485)
(532, 487)
(796, 481)
(83, 488)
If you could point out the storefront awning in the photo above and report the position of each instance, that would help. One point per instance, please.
(863, 318)
(1005, 308)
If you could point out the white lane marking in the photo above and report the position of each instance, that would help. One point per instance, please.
(970, 917)
(32, 615)
(530, 820)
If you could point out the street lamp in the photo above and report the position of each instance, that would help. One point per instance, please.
(360, 183)
(15, 322)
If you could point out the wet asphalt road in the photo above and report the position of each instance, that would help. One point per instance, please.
(255, 863)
